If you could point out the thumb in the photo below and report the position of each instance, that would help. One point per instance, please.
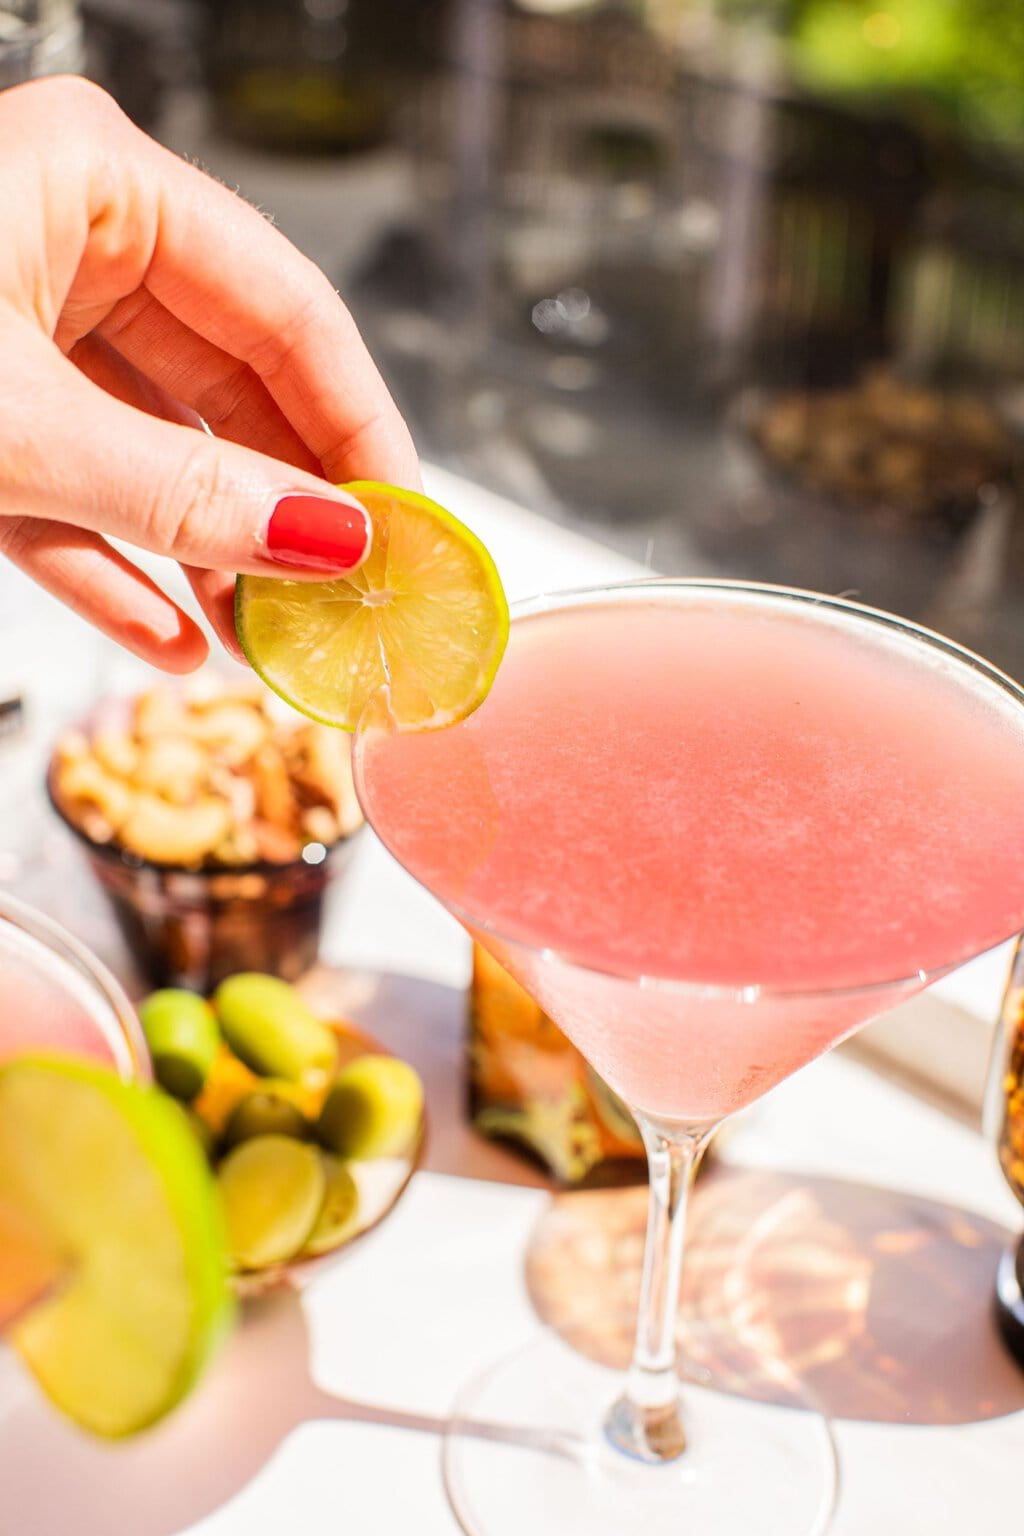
(71, 453)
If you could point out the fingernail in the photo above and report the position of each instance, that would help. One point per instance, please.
(318, 533)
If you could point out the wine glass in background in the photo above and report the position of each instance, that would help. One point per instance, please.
(1004, 1123)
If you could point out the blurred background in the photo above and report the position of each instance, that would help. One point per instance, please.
(735, 286)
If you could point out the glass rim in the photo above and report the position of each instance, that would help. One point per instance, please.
(752, 991)
(56, 940)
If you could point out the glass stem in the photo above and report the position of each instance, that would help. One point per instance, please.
(646, 1422)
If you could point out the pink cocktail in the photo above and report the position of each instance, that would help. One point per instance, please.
(57, 996)
(712, 828)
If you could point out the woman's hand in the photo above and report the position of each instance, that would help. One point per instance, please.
(140, 299)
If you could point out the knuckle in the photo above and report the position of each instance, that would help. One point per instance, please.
(17, 535)
(71, 102)
(191, 505)
(220, 401)
(82, 101)
(304, 310)
(343, 446)
(383, 434)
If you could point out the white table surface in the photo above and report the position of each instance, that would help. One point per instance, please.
(280, 1436)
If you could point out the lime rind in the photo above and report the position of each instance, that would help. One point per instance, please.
(113, 1174)
(424, 619)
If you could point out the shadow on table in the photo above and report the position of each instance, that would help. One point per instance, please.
(877, 1301)
(54, 1479)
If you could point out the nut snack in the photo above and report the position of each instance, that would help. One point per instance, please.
(909, 453)
(213, 823)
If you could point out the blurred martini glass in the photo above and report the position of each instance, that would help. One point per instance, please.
(57, 996)
(112, 1254)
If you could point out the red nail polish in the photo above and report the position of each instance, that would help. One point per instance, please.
(317, 533)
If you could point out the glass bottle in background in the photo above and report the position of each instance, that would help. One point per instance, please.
(529, 1085)
(310, 76)
(39, 37)
(1004, 1123)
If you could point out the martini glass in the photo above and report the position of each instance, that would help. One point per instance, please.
(712, 828)
(57, 996)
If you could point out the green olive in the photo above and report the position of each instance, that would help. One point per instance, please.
(272, 1189)
(339, 1215)
(373, 1109)
(270, 1028)
(182, 1035)
(264, 1113)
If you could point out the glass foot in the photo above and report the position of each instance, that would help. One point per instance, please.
(527, 1451)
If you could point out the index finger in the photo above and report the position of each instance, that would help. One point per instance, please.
(223, 270)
